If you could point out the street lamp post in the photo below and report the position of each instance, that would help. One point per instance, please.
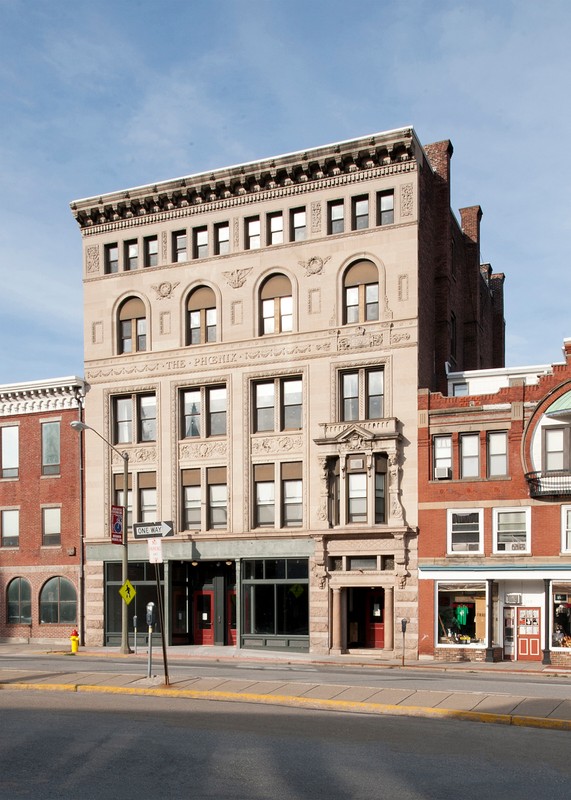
(80, 427)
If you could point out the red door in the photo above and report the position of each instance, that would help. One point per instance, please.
(528, 634)
(375, 622)
(231, 617)
(203, 622)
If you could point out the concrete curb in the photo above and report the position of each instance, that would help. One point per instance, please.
(302, 702)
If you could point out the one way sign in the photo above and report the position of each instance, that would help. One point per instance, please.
(147, 530)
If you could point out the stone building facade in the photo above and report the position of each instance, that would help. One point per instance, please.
(495, 516)
(254, 340)
(41, 557)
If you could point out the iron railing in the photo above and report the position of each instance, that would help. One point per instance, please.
(549, 484)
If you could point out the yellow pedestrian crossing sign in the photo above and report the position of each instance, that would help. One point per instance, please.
(127, 591)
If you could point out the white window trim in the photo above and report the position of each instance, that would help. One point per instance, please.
(480, 513)
(501, 510)
(564, 510)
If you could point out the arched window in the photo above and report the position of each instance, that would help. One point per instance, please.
(58, 601)
(201, 316)
(361, 293)
(132, 326)
(276, 306)
(19, 602)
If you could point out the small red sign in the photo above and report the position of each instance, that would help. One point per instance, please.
(117, 522)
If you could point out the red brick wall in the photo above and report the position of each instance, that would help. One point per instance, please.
(29, 493)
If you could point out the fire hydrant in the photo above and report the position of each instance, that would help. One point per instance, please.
(74, 638)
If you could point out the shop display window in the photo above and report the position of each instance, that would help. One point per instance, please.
(461, 614)
(561, 602)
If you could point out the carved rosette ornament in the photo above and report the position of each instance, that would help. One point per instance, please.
(314, 265)
(203, 450)
(165, 289)
(92, 259)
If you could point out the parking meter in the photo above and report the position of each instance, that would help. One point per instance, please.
(150, 614)
(403, 627)
(403, 624)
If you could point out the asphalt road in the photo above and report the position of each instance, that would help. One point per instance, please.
(55, 746)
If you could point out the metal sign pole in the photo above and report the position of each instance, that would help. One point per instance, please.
(162, 620)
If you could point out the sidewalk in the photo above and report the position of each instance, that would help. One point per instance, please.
(506, 709)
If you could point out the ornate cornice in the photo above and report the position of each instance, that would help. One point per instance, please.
(31, 398)
(325, 167)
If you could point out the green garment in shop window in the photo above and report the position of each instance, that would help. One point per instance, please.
(462, 614)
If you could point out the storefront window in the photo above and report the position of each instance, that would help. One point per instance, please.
(561, 602)
(461, 614)
(276, 597)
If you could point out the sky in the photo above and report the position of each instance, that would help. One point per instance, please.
(97, 97)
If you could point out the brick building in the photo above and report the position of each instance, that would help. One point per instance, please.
(40, 510)
(495, 515)
(254, 340)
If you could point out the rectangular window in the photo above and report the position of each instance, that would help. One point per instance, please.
(566, 529)
(179, 246)
(298, 227)
(555, 449)
(9, 451)
(264, 494)
(222, 238)
(111, 258)
(151, 251)
(204, 411)
(51, 526)
(147, 485)
(385, 208)
(459, 389)
(200, 242)
(380, 490)
(362, 394)
(357, 497)
(120, 497)
(253, 235)
(275, 228)
(217, 498)
(50, 448)
(465, 530)
(336, 217)
(511, 530)
(442, 456)
(497, 454)
(191, 499)
(360, 207)
(131, 255)
(141, 328)
(147, 417)
(145, 430)
(470, 455)
(292, 495)
(9, 527)
(282, 394)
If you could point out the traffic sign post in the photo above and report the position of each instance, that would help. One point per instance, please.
(156, 531)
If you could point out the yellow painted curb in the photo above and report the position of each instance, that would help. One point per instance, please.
(304, 702)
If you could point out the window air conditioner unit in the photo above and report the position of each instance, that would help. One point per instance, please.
(442, 473)
(514, 547)
(512, 600)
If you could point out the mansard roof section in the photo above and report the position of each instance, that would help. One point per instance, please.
(381, 151)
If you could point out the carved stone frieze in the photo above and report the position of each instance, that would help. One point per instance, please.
(316, 217)
(276, 444)
(202, 450)
(137, 455)
(359, 338)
